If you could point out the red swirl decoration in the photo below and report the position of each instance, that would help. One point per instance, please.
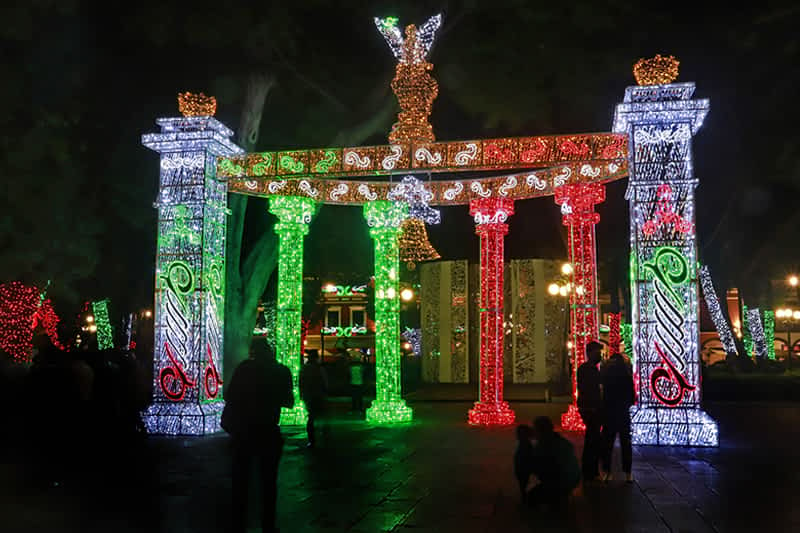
(572, 148)
(676, 383)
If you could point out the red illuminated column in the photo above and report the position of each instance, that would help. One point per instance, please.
(577, 203)
(490, 215)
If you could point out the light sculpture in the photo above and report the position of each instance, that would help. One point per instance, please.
(577, 203)
(490, 217)
(414, 338)
(414, 244)
(384, 220)
(23, 308)
(105, 337)
(757, 333)
(294, 215)
(660, 121)
(714, 309)
(614, 337)
(769, 333)
(414, 87)
(747, 339)
(190, 272)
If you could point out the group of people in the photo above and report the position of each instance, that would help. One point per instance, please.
(259, 388)
(605, 395)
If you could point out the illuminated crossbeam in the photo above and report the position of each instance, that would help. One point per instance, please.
(529, 184)
(510, 153)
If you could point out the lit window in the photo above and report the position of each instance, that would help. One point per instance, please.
(332, 318)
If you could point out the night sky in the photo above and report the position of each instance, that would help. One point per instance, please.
(504, 69)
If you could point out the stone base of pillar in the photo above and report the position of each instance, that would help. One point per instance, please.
(672, 426)
(178, 418)
(390, 412)
(296, 416)
(571, 420)
(491, 414)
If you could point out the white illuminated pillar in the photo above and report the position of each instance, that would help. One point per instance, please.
(660, 121)
(190, 276)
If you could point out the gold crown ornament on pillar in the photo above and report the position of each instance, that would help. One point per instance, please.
(658, 70)
(196, 105)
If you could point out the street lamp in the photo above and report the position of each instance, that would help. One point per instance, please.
(406, 295)
(788, 317)
(793, 280)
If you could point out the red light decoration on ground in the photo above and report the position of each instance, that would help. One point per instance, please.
(577, 203)
(614, 338)
(23, 309)
(490, 215)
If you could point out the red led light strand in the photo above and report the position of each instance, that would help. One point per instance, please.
(614, 339)
(490, 215)
(577, 203)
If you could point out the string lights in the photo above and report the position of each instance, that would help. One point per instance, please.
(23, 308)
(105, 338)
(661, 120)
(714, 309)
(385, 220)
(614, 337)
(414, 338)
(577, 203)
(196, 105)
(747, 340)
(294, 215)
(190, 271)
(656, 70)
(414, 244)
(769, 333)
(490, 216)
(414, 88)
(757, 333)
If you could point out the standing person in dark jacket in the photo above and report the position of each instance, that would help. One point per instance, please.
(618, 397)
(260, 386)
(590, 402)
(313, 389)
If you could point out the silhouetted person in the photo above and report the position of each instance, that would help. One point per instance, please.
(357, 385)
(523, 457)
(618, 397)
(554, 463)
(313, 388)
(260, 386)
(590, 403)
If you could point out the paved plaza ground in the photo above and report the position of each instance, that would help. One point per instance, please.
(434, 475)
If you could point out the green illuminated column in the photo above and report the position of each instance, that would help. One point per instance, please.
(294, 214)
(384, 219)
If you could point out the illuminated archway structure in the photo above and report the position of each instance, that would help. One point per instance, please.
(199, 165)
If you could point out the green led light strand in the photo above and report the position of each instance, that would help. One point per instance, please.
(294, 214)
(105, 338)
(626, 332)
(747, 339)
(384, 219)
(769, 333)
